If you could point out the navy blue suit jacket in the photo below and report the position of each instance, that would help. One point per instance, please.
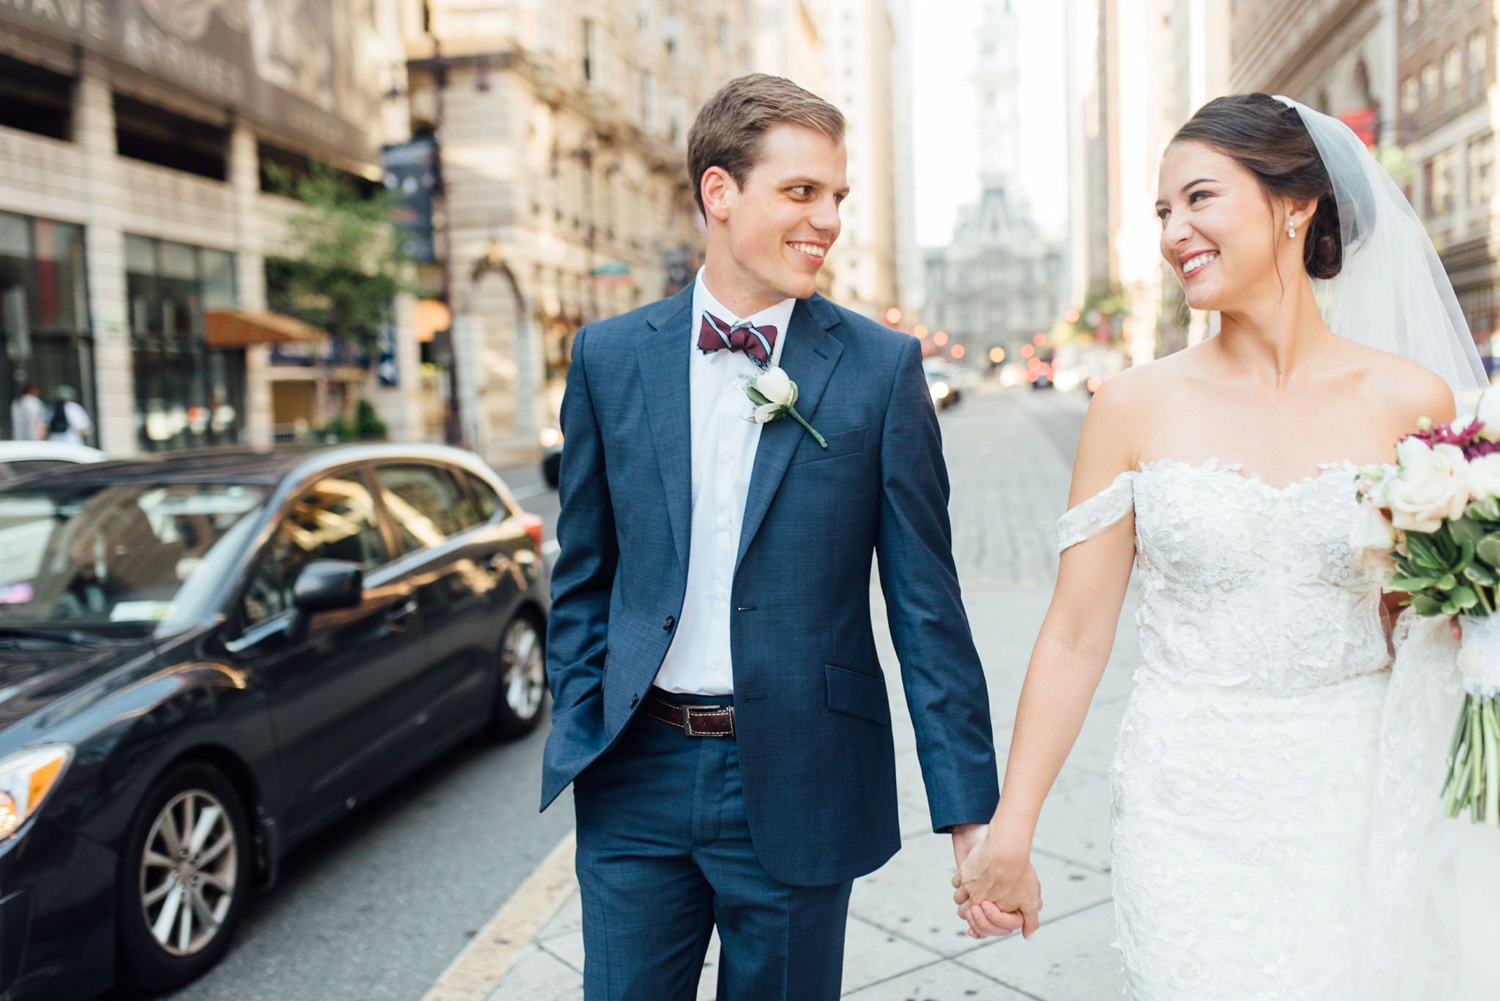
(811, 711)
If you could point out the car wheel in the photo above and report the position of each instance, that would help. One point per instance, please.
(522, 685)
(186, 874)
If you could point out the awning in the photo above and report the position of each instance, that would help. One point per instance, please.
(237, 328)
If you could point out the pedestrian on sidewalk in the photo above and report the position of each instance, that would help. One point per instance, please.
(66, 419)
(27, 416)
(719, 705)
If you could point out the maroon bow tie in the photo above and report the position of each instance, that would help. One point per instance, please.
(755, 342)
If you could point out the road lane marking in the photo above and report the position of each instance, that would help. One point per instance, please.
(511, 933)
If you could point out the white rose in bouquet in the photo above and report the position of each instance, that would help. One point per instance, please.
(1433, 486)
(1484, 477)
(1487, 409)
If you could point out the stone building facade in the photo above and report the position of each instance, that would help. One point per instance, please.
(562, 128)
(134, 220)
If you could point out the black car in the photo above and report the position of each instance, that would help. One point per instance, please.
(208, 657)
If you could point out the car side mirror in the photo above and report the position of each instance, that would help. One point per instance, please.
(325, 584)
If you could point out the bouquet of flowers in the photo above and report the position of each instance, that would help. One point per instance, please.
(1430, 526)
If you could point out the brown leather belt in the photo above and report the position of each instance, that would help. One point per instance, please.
(696, 721)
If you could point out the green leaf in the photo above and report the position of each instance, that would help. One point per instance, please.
(1488, 509)
(1465, 556)
(756, 396)
(1488, 549)
(1481, 574)
(1446, 582)
(1425, 551)
(1411, 584)
(1466, 530)
(1464, 598)
(1446, 546)
(1425, 605)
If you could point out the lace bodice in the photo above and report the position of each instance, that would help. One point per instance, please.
(1243, 583)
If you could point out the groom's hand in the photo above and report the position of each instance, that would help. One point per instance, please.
(966, 838)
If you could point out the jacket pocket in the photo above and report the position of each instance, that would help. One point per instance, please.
(842, 443)
(857, 694)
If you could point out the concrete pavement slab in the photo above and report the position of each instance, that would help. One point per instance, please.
(938, 982)
(540, 976)
(1071, 959)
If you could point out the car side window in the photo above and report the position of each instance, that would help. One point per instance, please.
(334, 519)
(426, 504)
(486, 500)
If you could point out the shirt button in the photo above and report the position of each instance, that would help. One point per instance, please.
(716, 662)
(723, 522)
(723, 593)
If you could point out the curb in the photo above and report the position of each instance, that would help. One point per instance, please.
(494, 952)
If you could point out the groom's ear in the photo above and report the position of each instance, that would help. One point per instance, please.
(718, 190)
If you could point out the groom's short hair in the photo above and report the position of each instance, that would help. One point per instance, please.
(728, 129)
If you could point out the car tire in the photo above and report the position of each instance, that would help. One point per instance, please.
(160, 951)
(521, 681)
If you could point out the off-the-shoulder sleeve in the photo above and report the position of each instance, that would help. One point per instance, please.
(1100, 511)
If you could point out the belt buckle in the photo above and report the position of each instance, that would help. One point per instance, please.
(687, 721)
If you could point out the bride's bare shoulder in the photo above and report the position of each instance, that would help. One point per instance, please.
(1400, 386)
(1145, 386)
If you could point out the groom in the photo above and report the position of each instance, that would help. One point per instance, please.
(718, 702)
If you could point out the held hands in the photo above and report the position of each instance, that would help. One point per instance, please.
(996, 889)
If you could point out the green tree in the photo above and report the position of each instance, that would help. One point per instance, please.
(341, 264)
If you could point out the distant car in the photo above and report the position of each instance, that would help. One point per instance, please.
(22, 458)
(212, 656)
(552, 443)
(943, 384)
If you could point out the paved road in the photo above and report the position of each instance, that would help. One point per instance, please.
(376, 908)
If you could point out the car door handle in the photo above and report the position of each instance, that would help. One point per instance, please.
(399, 619)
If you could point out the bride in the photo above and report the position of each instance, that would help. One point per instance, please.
(1264, 839)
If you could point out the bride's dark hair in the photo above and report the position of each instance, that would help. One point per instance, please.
(1268, 139)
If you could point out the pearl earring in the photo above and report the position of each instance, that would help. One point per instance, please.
(1291, 231)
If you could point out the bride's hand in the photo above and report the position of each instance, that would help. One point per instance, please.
(997, 890)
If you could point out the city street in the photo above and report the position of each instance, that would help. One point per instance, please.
(377, 908)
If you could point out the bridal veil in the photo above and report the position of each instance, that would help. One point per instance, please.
(1432, 912)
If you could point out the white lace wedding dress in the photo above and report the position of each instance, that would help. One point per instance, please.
(1255, 755)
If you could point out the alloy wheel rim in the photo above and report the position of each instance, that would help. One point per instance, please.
(524, 677)
(189, 870)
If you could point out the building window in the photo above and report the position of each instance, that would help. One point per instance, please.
(1482, 170)
(36, 100)
(1453, 78)
(1429, 89)
(1411, 97)
(1441, 178)
(187, 393)
(146, 132)
(44, 325)
(1478, 65)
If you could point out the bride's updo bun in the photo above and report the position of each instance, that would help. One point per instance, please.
(1268, 139)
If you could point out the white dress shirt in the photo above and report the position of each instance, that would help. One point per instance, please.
(724, 441)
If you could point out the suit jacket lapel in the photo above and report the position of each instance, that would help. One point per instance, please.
(663, 355)
(809, 358)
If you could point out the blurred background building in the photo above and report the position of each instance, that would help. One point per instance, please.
(1000, 280)
(136, 210)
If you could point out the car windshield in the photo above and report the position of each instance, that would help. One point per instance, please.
(118, 560)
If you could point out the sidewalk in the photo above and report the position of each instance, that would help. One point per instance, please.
(904, 941)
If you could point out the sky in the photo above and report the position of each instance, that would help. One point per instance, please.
(947, 150)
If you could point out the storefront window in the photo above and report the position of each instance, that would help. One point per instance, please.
(44, 327)
(187, 394)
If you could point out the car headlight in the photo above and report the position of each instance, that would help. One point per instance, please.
(26, 778)
(551, 437)
(940, 390)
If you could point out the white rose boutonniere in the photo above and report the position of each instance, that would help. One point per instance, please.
(775, 394)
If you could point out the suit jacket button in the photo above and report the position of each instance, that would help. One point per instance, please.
(633, 700)
(667, 625)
